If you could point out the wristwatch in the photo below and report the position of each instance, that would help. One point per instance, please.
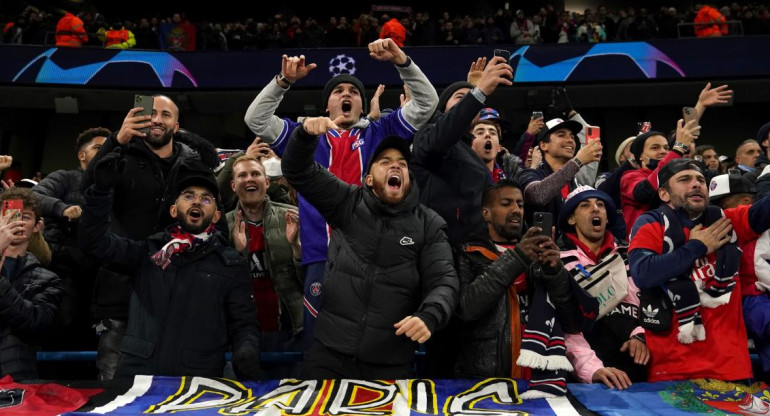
(681, 146)
(283, 79)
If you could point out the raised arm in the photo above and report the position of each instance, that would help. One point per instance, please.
(260, 116)
(328, 194)
(94, 236)
(421, 107)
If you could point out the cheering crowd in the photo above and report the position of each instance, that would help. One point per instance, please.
(362, 235)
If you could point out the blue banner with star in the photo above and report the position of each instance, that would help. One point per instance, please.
(670, 59)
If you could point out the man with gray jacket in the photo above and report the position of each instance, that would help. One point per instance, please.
(343, 152)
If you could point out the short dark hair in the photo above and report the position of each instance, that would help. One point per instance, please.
(28, 198)
(702, 148)
(503, 183)
(87, 136)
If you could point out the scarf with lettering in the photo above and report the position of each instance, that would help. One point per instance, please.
(180, 241)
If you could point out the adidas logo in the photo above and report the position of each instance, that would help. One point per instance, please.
(650, 312)
(406, 241)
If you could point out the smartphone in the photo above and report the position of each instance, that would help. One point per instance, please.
(13, 207)
(504, 53)
(144, 101)
(689, 113)
(537, 115)
(544, 220)
(592, 133)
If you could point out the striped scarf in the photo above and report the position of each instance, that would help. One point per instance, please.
(180, 241)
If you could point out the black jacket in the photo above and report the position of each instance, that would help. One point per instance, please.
(28, 303)
(58, 191)
(484, 309)
(450, 174)
(183, 319)
(384, 263)
(140, 209)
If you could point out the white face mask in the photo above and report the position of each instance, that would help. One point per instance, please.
(272, 167)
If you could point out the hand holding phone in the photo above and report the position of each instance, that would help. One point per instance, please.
(689, 113)
(504, 54)
(137, 122)
(13, 208)
(543, 220)
(592, 133)
(537, 115)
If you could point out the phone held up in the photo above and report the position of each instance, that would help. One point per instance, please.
(689, 113)
(504, 53)
(144, 101)
(544, 220)
(592, 133)
(537, 115)
(13, 207)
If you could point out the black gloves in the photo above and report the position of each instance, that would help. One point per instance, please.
(108, 170)
(246, 363)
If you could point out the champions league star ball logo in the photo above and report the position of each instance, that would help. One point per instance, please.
(342, 64)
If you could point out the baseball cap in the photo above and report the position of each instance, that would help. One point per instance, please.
(728, 184)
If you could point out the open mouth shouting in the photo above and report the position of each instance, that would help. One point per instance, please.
(394, 182)
(346, 107)
(194, 214)
(596, 222)
(488, 146)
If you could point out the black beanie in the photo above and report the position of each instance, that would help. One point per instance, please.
(448, 91)
(344, 79)
(637, 146)
(762, 133)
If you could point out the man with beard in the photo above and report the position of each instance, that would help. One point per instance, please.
(191, 296)
(613, 351)
(390, 281)
(343, 152)
(505, 281)
(143, 195)
(684, 254)
(267, 233)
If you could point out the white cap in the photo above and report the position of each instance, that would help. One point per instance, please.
(272, 167)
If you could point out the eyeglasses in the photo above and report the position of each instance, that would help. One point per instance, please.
(206, 199)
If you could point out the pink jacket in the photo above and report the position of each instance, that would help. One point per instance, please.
(579, 352)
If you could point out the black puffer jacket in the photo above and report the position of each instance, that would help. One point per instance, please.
(384, 263)
(28, 303)
(184, 318)
(484, 308)
(450, 174)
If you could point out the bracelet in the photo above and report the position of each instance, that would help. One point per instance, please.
(639, 337)
(283, 79)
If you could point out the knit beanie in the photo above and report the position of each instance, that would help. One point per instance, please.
(448, 91)
(342, 79)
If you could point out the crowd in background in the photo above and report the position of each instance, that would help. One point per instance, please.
(421, 27)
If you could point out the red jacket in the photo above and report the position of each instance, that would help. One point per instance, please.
(708, 14)
(631, 206)
(70, 23)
